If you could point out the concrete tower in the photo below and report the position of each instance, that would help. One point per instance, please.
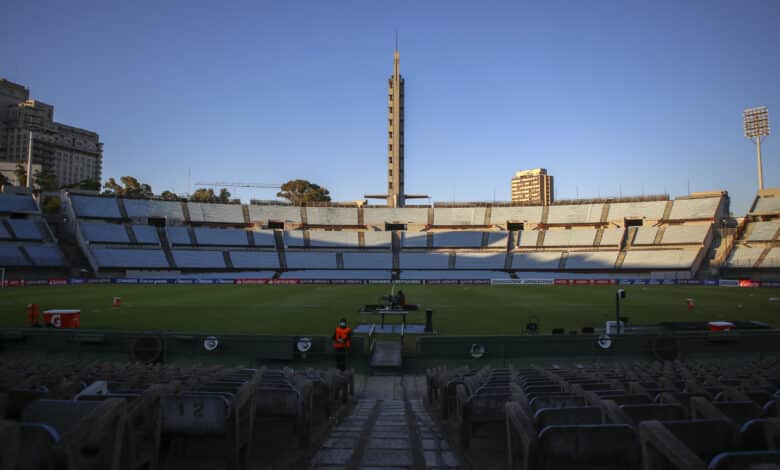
(395, 135)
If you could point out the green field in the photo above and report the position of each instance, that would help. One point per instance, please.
(459, 310)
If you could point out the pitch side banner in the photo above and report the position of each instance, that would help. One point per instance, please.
(523, 282)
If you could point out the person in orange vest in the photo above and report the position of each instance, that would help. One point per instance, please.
(342, 341)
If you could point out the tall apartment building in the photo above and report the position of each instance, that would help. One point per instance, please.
(533, 186)
(73, 154)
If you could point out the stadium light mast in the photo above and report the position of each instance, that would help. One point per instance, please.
(756, 127)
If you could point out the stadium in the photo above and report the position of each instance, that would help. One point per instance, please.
(156, 332)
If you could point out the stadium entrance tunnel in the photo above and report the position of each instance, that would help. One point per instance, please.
(418, 353)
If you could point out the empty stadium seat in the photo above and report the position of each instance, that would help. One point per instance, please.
(518, 214)
(95, 207)
(591, 260)
(573, 237)
(254, 259)
(17, 203)
(659, 259)
(11, 256)
(129, 258)
(652, 210)
(26, 229)
(333, 239)
(279, 213)
(527, 238)
(102, 232)
(459, 216)
(221, 236)
(574, 214)
(685, 234)
(45, 255)
(772, 259)
(146, 234)
(311, 260)
(194, 259)
(457, 239)
(645, 235)
(453, 275)
(612, 237)
(361, 260)
(767, 205)
(498, 240)
(379, 216)
(218, 213)
(414, 239)
(294, 238)
(145, 208)
(698, 208)
(763, 231)
(178, 235)
(480, 260)
(264, 238)
(429, 260)
(543, 260)
(377, 239)
(331, 216)
(338, 274)
(744, 257)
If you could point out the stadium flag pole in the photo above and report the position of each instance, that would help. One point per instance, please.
(29, 162)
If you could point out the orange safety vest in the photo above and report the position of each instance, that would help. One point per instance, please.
(341, 338)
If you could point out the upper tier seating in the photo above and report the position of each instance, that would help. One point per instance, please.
(102, 232)
(264, 238)
(328, 239)
(453, 275)
(96, 207)
(498, 240)
(659, 259)
(331, 216)
(144, 208)
(378, 239)
(414, 239)
(591, 260)
(294, 238)
(518, 214)
(575, 214)
(424, 260)
(127, 258)
(744, 257)
(311, 260)
(477, 260)
(763, 231)
(17, 203)
(264, 214)
(703, 208)
(612, 236)
(10, 255)
(336, 274)
(254, 259)
(459, 216)
(45, 255)
(574, 237)
(541, 260)
(652, 210)
(189, 259)
(381, 215)
(680, 234)
(221, 213)
(363, 260)
(178, 235)
(767, 205)
(527, 238)
(146, 234)
(772, 260)
(221, 236)
(26, 229)
(457, 239)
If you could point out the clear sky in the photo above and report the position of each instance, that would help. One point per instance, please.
(612, 97)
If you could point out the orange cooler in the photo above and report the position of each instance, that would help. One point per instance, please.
(62, 318)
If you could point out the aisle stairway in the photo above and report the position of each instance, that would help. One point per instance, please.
(384, 432)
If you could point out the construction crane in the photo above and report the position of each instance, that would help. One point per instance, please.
(224, 184)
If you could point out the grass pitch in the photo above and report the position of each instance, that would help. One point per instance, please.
(311, 309)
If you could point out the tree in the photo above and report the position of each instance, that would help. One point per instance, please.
(4, 180)
(51, 205)
(132, 188)
(88, 184)
(302, 191)
(21, 175)
(45, 179)
(169, 196)
(208, 195)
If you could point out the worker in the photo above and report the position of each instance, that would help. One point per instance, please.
(342, 341)
(401, 298)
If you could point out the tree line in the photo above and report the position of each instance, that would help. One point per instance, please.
(297, 191)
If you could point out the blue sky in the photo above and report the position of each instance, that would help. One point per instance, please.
(612, 97)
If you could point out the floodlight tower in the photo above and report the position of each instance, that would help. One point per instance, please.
(756, 127)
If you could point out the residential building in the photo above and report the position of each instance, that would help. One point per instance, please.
(534, 186)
